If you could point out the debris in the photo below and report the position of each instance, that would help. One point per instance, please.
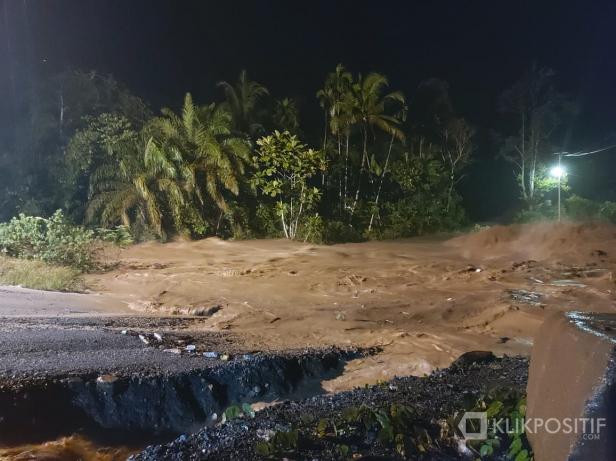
(124, 332)
(591, 273)
(536, 280)
(598, 253)
(450, 299)
(527, 297)
(106, 379)
(567, 283)
(175, 350)
(210, 355)
(503, 339)
(144, 339)
(471, 268)
(225, 357)
(247, 356)
(340, 315)
(190, 348)
(275, 319)
(158, 337)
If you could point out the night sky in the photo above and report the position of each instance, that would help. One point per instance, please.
(161, 49)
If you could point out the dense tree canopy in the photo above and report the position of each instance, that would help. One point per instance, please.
(383, 164)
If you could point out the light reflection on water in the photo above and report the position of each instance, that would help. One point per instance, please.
(73, 448)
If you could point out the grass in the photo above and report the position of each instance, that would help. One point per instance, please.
(38, 275)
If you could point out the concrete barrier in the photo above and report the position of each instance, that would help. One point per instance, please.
(571, 413)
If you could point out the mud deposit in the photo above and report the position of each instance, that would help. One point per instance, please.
(432, 399)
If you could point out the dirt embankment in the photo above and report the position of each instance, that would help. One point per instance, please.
(424, 301)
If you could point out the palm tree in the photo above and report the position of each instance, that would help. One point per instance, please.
(337, 102)
(286, 115)
(139, 183)
(210, 156)
(370, 112)
(401, 116)
(241, 101)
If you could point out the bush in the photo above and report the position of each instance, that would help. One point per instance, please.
(607, 211)
(52, 240)
(339, 232)
(581, 209)
(119, 235)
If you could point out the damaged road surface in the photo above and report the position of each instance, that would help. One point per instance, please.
(407, 418)
(96, 376)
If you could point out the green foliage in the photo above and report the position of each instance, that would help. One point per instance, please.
(425, 205)
(238, 411)
(574, 208)
(283, 167)
(53, 240)
(242, 99)
(510, 407)
(338, 231)
(119, 235)
(281, 443)
(164, 176)
(581, 209)
(89, 147)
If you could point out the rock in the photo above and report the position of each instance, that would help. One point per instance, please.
(468, 358)
(572, 378)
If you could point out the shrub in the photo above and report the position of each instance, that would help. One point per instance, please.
(53, 240)
(339, 232)
(607, 211)
(119, 235)
(581, 209)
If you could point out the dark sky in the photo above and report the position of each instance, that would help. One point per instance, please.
(161, 49)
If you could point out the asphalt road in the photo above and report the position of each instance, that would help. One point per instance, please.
(16, 301)
(50, 334)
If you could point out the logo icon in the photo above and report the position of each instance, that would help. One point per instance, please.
(474, 425)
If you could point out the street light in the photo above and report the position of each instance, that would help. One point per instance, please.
(558, 171)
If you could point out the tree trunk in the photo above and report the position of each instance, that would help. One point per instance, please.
(361, 170)
(378, 193)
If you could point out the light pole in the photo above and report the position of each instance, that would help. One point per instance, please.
(558, 172)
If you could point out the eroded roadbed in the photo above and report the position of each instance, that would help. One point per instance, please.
(123, 376)
(319, 427)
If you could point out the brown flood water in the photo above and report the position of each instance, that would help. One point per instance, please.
(73, 448)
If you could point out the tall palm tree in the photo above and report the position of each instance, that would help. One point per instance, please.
(337, 102)
(371, 107)
(333, 97)
(210, 156)
(241, 100)
(286, 115)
